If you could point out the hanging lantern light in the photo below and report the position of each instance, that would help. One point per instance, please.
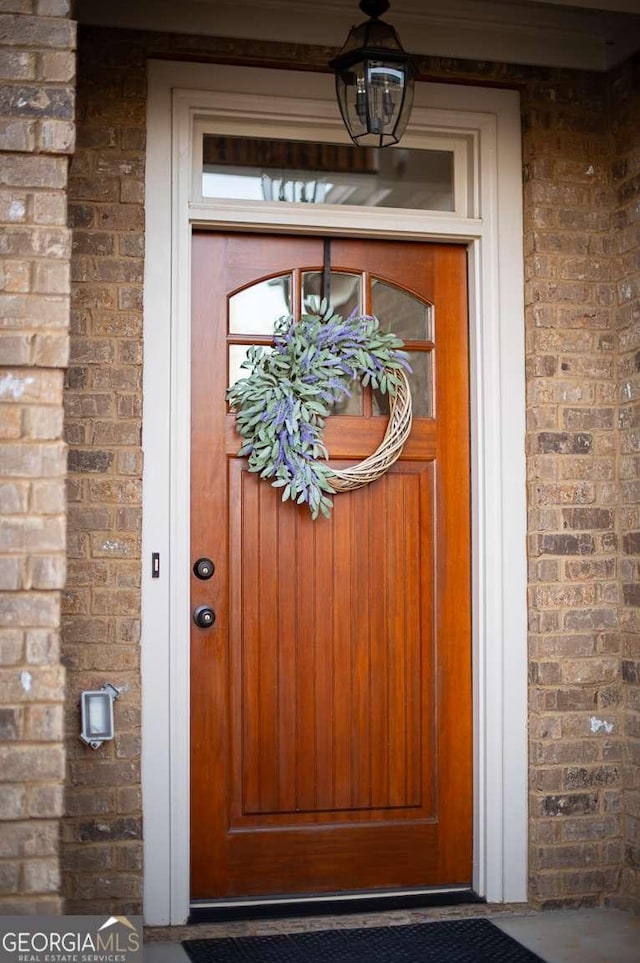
(374, 80)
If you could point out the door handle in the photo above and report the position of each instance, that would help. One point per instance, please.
(204, 616)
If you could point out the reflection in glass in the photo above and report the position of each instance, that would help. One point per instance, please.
(237, 354)
(401, 312)
(345, 290)
(421, 383)
(256, 309)
(345, 298)
(351, 404)
(296, 188)
(244, 168)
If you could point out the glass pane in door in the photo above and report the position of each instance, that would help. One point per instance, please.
(237, 354)
(345, 296)
(255, 309)
(401, 312)
(421, 384)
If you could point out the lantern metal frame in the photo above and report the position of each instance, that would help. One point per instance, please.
(375, 80)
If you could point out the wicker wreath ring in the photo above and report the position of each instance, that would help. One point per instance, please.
(389, 449)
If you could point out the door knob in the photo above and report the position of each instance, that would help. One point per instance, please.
(204, 616)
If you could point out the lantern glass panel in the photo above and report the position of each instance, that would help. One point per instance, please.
(374, 98)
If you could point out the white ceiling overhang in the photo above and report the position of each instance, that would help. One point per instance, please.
(586, 34)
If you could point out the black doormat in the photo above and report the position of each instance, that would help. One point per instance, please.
(449, 941)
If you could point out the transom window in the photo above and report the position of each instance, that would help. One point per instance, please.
(254, 169)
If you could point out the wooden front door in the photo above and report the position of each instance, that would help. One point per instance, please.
(331, 699)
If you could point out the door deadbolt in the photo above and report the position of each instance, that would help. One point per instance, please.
(204, 616)
(203, 568)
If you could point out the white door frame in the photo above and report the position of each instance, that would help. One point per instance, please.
(243, 100)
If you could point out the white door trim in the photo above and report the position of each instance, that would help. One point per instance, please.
(491, 224)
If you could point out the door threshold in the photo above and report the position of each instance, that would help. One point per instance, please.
(327, 904)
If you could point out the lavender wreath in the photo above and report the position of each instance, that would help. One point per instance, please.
(282, 406)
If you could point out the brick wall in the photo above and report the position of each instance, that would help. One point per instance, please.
(576, 723)
(37, 70)
(625, 96)
(581, 766)
(103, 400)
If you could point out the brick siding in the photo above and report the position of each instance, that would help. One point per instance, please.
(37, 71)
(583, 540)
(574, 668)
(625, 96)
(103, 401)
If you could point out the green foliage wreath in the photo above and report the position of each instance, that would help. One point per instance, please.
(282, 406)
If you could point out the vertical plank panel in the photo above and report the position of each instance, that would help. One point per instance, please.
(382, 572)
(361, 649)
(261, 647)
(342, 672)
(415, 606)
(305, 667)
(287, 642)
(244, 657)
(430, 644)
(396, 560)
(323, 676)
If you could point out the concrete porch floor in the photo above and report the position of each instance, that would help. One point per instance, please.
(558, 936)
